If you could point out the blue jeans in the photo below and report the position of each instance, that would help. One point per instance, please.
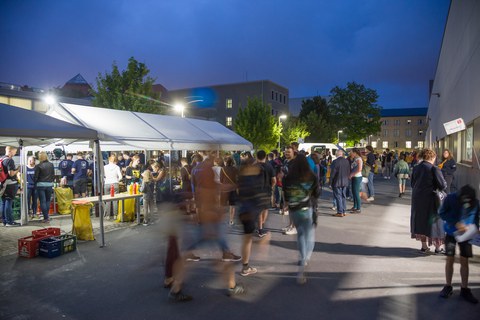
(32, 200)
(7, 211)
(340, 198)
(303, 221)
(45, 196)
(371, 190)
(356, 187)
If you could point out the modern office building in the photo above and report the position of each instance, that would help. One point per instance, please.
(402, 129)
(455, 92)
(222, 102)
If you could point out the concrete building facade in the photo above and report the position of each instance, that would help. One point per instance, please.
(455, 91)
(222, 102)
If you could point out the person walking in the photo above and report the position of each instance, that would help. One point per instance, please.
(44, 177)
(448, 167)
(402, 172)
(339, 179)
(112, 175)
(426, 178)
(356, 177)
(31, 190)
(459, 211)
(228, 181)
(147, 188)
(9, 187)
(268, 185)
(371, 174)
(80, 171)
(301, 189)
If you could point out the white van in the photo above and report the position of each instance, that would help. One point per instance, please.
(320, 147)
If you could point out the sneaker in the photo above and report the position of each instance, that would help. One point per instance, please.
(262, 233)
(439, 251)
(237, 290)
(291, 231)
(400, 195)
(145, 224)
(385, 177)
(228, 256)
(179, 296)
(192, 257)
(425, 251)
(466, 294)
(13, 224)
(231, 222)
(339, 215)
(370, 199)
(285, 212)
(248, 271)
(334, 208)
(286, 228)
(446, 292)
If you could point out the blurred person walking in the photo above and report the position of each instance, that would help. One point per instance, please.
(32, 197)
(448, 167)
(339, 179)
(112, 175)
(402, 172)
(301, 189)
(44, 177)
(356, 178)
(371, 162)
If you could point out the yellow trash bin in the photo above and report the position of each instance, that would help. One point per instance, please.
(64, 198)
(82, 224)
(129, 214)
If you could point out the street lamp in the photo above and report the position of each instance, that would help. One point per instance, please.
(179, 108)
(50, 99)
(338, 135)
(283, 116)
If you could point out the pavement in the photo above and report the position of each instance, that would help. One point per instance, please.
(365, 266)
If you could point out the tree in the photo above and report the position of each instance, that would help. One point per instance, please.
(130, 89)
(293, 129)
(355, 111)
(316, 115)
(256, 124)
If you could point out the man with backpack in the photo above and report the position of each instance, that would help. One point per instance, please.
(9, 185)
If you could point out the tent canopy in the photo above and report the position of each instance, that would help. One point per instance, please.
(34, 128)
(119, 130)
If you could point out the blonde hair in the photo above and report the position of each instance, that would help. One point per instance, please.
(428, 155)
(42, 156)
(147, 176)
(112, 158)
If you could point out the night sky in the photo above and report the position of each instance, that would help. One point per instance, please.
(308, 46)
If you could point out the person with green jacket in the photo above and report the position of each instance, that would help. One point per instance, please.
(401, 171)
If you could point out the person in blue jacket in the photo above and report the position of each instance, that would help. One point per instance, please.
(459, 210)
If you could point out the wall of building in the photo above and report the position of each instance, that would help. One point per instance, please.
(455, 92)
(402, 133)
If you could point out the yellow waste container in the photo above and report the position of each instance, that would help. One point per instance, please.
(82, 224)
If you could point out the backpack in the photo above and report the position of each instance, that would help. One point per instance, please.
(3, 171)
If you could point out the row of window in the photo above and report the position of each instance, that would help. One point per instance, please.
(398, 122)
(396, 144)
(460, 144)
(396, 133)
(278, 96)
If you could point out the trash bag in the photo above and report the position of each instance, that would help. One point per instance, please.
(82, 224)
(64, 198)
(129, 214)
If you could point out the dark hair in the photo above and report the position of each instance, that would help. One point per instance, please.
(300, 169)
(229, 162)
(357, 151)
(467, 195)
(261, 154)
(369, 148)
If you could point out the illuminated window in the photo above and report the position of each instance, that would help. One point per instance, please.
(420, 144)
(409, 122)
(229, 103)
(408, 144)
(420, 133)
(229, 121)
(468, 156)
(374, 144)
(384, 144)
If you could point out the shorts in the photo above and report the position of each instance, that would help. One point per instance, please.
(80, 186)
(450, 244)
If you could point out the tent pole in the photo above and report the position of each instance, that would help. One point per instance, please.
(99, 188)
(23, 195)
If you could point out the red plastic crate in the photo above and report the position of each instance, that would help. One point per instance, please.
(28, 247)
(50, 231)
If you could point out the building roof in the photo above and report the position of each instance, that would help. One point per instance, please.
(78, 79)
(404, 112)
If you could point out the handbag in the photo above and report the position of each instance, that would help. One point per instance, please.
(439, 197)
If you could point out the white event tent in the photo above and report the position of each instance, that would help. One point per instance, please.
(120, 130)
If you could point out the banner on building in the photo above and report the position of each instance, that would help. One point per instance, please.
(454, 126)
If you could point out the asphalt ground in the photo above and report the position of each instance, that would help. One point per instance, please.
(365, 266)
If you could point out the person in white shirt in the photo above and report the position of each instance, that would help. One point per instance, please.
(112, 176)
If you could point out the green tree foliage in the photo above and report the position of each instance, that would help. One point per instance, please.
(256, 124)
(355, 111)
(293, 129)
(316, 115)
(130, 89)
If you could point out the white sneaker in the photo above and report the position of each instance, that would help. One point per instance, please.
(291, 231)
(370, 198)
(334, 208)
(385, 177)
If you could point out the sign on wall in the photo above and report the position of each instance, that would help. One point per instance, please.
(454, 126)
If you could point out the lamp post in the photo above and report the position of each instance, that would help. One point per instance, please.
(180, 107)
(338, 136)
(283, 116)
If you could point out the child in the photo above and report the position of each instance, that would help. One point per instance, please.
(147, 189)
(458, 211)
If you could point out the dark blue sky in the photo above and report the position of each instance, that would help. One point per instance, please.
(308, 46)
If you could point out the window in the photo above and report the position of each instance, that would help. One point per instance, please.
(468, 156)
(420, 133)
(374, 144)
(408, 144)
(272, 94)
(420, 144)
(384, 144)
(420, 122)
(385, 133)
(276, 96)
(229, 121)
(280, 97)
(396, 122)
(408, 122)
(385, 122)
(229, 103)
(396, 132)
(284, 100)
(408, 132)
